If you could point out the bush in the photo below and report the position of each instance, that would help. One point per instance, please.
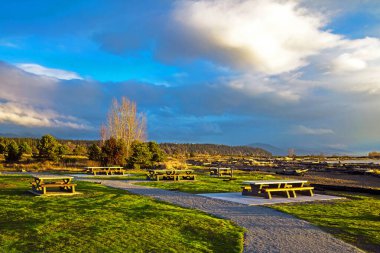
(80, 150)
(13, 152)
(157, 154)
(48, 148)
(146, 155)
(113, 152)
(25, 148)
(62, 150)
(94, 153)
(141, 155)
(3, 148)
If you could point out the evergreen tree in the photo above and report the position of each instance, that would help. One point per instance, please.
(80, 150)
(25, 148)
(62, 150)
(3, 148)
(94, 153)
(13, 152)
(157, 154)
(48, 147)
(141, 155)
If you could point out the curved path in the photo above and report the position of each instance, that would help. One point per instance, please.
(268, 230)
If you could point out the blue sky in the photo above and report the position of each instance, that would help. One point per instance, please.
(300, 74)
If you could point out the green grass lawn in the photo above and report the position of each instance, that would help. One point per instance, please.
(207, 184)
(355, 220)
(105, 220)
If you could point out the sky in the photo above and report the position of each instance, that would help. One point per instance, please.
(293, 74)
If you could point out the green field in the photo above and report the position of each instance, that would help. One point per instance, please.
(105, 220)
(355, 220)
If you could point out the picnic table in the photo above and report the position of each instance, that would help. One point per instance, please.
(220, 172)
(61, 183)
(105, 170)
(267, 187)
(175, 175)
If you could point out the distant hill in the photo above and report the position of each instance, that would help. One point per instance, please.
(274, 150)
(317, 151)
(300, 150)
(212, 149)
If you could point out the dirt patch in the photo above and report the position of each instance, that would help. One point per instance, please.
(341, 179)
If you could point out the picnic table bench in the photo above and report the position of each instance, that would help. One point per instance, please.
(220, 172)
(175, 175)
(284, 187)
(105, 170)
(63, 184)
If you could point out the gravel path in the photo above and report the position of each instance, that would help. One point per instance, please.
(267, 230)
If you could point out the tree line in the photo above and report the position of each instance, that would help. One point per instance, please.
(93, 149)
(190, 150)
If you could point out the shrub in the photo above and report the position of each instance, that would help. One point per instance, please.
(3, 148)
(80, 150)
(25, 148)
(140, 155)
(113, 152)
(94, 153)
(145, 155)
(48, 148)
(13, 152)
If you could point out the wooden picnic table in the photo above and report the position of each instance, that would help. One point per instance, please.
(267, 187)
(220, 172)
(105, 170)
(175, 175)
(62, 183)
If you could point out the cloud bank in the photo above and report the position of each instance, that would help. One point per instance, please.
(272, 37)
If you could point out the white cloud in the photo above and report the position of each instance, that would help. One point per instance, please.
(263, 39)
(270, 36)
(312, 131)
(356, 55)
(259, 85)
(354, 67)
(24, 115)
(48, 72)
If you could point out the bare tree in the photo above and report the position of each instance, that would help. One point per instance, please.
(125, 123)
(103, 134)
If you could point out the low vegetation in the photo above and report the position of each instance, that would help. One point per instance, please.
(355, 220)
(105, 220)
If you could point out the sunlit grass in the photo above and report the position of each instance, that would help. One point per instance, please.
(103, 219)
(355, 220)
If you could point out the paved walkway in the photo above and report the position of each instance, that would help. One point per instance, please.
(267, 230)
